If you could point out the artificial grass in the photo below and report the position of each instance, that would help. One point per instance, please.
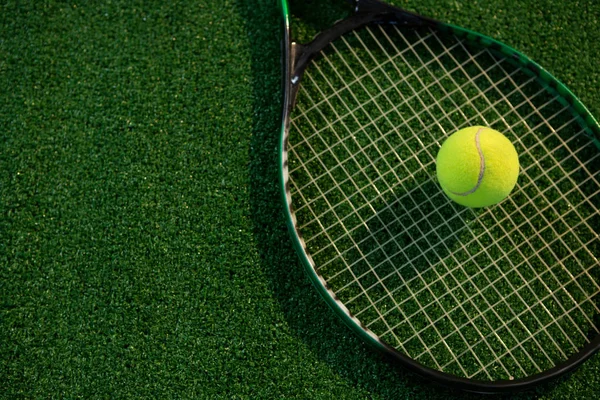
(143, 252)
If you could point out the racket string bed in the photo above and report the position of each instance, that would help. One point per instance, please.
(491, 294)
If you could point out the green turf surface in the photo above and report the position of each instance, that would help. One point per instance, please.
(143, 251)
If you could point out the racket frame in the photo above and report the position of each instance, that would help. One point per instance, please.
(296, 58)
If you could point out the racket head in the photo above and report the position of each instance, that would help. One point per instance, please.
(301, 58)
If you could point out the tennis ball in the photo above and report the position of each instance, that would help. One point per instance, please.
(477, 166)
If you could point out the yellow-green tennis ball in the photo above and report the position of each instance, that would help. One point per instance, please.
(477, 167)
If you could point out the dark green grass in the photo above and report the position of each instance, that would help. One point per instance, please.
(143, 251)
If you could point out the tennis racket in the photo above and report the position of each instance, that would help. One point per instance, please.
(485, 300)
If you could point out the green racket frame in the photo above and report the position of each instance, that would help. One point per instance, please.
(296, 58)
